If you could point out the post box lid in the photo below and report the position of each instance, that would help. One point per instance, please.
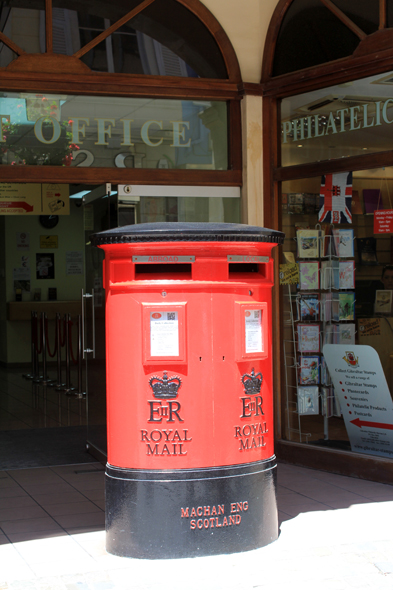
(187, 232)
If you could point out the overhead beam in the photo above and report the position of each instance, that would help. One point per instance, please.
(344, 19)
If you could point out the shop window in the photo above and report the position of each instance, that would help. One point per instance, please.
(163, 38)
(90, 131)
(336, 264)
(343, 120)
(337, 288)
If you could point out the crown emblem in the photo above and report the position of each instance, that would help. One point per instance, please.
(252, 383)
(165, 388)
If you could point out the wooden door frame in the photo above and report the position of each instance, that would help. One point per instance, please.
(373, 56)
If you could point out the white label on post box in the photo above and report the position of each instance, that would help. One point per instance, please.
(163, 258)
(253, 331)
(164, 333)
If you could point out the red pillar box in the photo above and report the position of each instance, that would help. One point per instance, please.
(191, 465)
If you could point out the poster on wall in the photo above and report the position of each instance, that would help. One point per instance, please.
(21, 276)
(49, 242)
(74, 263)
(55, 199)
(45, 266)
(22, 241)
(363, 393)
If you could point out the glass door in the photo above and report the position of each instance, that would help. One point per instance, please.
(98, 213)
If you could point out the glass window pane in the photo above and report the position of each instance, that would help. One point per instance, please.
(24, 23)
(201, 209)
(311, 34)
(165, 39)
(84, 131)
(343, 120)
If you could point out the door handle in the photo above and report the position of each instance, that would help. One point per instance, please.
(88, 350)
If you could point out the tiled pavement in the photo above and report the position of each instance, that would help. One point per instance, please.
(336, 533)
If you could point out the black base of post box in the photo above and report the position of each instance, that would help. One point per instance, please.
(190, 513)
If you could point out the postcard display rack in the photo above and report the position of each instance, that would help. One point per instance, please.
(322, 311)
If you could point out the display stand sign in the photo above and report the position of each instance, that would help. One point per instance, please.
(289, 274)
(383, 221)
(366, 404)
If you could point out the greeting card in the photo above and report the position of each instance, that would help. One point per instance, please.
(308, 307)
(307, 243)
(346, 306)
(343, 243)
(308, 370)
(309, 275)
(308, 337)
(346, 274)
(346, 333)
(308, 400)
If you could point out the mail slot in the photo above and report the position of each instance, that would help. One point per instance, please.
(191, 467)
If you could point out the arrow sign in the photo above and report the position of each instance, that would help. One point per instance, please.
(366, 405)
(361, 423)
(17, 205)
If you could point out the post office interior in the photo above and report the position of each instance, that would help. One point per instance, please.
(50, 268)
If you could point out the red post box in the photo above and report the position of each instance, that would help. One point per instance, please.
(191, 466)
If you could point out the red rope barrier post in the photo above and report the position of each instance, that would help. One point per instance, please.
(51, 354)
(45, 346)
(62, 344)
(68, 389)
(39, 348)
(33, 326)
(59, 384)
(79, 393)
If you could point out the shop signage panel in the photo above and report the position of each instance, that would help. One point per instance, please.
(366, 404)
(23, 198)
(383, 221)
(20, 198)
(369, 326)
(55, 199)
(318, 126)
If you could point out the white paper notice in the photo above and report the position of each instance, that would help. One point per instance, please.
(164, 333)
(253, 318)
(365, 400)
(74, 263)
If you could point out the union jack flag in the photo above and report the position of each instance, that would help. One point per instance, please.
(335, 198)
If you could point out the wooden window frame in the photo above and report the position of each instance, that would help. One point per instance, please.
(52, 73)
